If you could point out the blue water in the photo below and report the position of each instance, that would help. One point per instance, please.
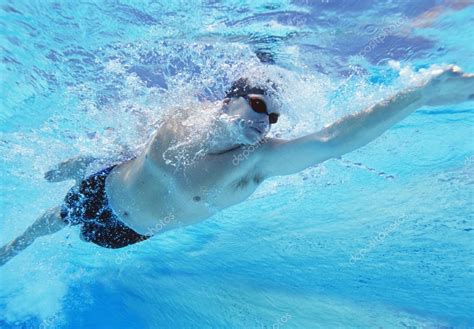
(380, 238)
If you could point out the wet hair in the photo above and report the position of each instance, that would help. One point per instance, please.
(242, 87)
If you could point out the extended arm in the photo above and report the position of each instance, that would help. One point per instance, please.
(76, 167)
(281, 157)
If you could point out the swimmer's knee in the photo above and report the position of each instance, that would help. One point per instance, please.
(53, 214)
(57, 219)
(53, 220)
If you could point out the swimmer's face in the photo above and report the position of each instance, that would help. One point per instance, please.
(253, 115)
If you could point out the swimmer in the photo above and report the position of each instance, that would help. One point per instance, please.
(130, 202)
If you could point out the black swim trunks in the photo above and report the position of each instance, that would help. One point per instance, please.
(86, 204)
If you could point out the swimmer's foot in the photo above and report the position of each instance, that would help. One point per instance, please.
(448, 87)
(49, 223)
(10, 250)
(74, 168)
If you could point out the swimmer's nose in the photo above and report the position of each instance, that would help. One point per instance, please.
(263, 125)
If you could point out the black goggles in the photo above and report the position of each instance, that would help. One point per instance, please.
(259, 106)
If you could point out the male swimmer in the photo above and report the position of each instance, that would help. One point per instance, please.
(131, 201)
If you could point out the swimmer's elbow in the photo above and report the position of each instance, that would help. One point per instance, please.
(335, 147)
(287, 157)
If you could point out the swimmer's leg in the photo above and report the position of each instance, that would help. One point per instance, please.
(49, 223)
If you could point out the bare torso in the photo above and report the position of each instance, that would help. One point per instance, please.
(152, 196)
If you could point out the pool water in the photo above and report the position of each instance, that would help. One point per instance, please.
(382, 237)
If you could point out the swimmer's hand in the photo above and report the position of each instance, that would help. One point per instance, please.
(448, 86)
(74, 168)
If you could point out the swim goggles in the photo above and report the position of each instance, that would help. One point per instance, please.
(259, 106)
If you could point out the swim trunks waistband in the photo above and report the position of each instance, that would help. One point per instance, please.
(86, 204)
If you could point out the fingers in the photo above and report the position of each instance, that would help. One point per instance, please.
(48, 175)
(51, 175)
(455, 69)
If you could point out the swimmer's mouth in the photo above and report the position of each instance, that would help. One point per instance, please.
(257, 130)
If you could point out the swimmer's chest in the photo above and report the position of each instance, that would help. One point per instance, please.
(218, 182)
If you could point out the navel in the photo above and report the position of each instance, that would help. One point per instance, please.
(257, 179)
(197, 198)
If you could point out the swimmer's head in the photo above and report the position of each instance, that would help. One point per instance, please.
(252, 108)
